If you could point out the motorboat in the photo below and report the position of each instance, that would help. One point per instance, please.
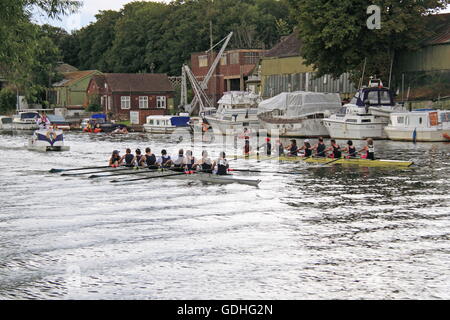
(6, 123)
(298, 114)
(58, 122)
(26, 120)
(237, 110)
(422, 125)
(166, 124)
(47, 140)
(365, 116)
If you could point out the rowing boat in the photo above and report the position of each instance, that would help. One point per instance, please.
(214, 178)
(344, 161)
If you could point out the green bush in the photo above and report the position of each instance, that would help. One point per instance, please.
(94, 107)
(8, 101)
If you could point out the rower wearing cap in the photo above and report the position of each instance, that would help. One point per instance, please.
(292, 148)
(369, 150)
(307, 148)
(335, 149)
(116, 159)
(320, 148)
(221, 164)
(350, 149)
(129, 158)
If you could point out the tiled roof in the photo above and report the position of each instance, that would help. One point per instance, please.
(137, 82)
(288, 46)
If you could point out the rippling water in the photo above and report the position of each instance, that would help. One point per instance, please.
(328, 233)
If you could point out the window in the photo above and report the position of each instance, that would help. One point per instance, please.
(385, 98)
(143, 102)
(161, 102)
(251, 57)
(125, 102)
(202, 61)
(223, 60)
(366, 120)
(400, 120)
(234, 58)
(372, 96)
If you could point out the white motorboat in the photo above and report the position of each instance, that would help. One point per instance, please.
(26, 120)
(298, 114)
(423, 125)
(365, 116)
(166, 124)
(6, 123)
(237, 110)
(47, 140)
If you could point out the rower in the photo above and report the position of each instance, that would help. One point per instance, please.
(164, 160)
(369, 150)
(150, 158)
(350, 149)
(129, 158)
(189, 160)
(320, 148)
(180, 161)
(247, 148)
(222, 165)
(335, 150)
(205, 162)
(292, 148)
(307, 148)
(115, 159)
(139, 158)
(279, 147)
(267, 147)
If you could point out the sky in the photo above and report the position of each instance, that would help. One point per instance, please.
(87, 13)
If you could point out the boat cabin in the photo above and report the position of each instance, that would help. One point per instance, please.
(374, 96)
(420, 118)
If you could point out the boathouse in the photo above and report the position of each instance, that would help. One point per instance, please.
(130, 96)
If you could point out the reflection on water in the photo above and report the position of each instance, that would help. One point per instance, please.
(330, 232)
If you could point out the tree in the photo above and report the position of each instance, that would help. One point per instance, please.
(336, 39)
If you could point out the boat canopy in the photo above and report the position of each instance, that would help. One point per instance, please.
(301, 103)
(180, 121)
(239, 98)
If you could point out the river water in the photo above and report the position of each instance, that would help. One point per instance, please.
(328, 233)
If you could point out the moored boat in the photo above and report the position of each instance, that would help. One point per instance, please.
(365, 116)
(237, 110)
(47, 140)
(422, 125)
(26, 120)
(166, 124)
(298, 114)
(6, 123)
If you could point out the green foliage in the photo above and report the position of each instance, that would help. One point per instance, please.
(151, 36)
(336, 39)
(94, 107)
(8, 100)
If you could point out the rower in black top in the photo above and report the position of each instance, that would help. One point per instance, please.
(307, 148)
(335, 149)
(350, 149)
(150, 158)
(139, 158)
(116, 159)
(129, 158)
(320, 148)
(222, 165)
(292, 148)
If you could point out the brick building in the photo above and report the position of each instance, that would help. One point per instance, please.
(128, 96)
(231, 73)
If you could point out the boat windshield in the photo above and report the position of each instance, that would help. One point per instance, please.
(6, 120)
(29, 115)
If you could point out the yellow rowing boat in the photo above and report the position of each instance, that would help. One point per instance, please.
(343, 161)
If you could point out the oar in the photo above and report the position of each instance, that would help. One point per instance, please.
(76, 169)
(123, 173)
(90, 172)
(152, 177)
(334, 160)
(260, 171)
